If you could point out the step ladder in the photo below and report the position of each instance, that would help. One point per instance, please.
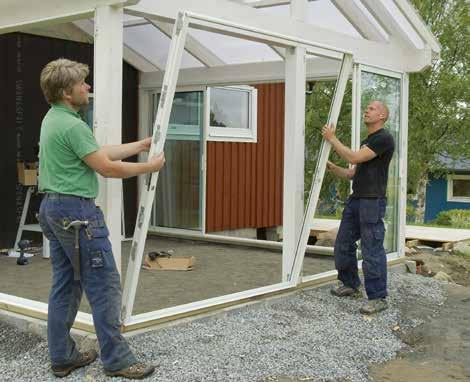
(30, 227)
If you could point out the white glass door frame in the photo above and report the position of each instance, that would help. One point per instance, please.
(402, 146)
(151, 96)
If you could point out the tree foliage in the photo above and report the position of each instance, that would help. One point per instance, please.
(440, 96)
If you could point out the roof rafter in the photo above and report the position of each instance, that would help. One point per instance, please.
(387, 21)
(358, 19)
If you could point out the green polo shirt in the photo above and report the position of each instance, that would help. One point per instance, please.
(65, 140)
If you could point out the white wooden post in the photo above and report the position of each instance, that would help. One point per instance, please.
(107, 110)
(294, 146)
(319, 174)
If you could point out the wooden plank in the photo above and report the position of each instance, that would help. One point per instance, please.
(219, 185)
(260, 164)
(241, 215)
(226, 186)
(444, 235)
(433, 234)
(271, 155)
(279, 152)
(235, 180)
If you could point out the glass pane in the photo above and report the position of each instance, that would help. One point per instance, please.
(388, 90)
(461, 188)
(233, 50)
(229, 108)
(178, 194)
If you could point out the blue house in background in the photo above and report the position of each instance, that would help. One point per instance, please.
(451, 191)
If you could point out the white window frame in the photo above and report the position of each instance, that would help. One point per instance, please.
(450, 189)
(231, 134)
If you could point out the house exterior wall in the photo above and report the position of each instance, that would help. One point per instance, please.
(22, 107)
(436, 199)
(245, 180)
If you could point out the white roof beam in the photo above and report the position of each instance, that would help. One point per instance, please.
(130, 56)
(135, 23)
(359, 20)
(192, 46)
(18, 14)
(418, 24)
(392, 55)
(387, 21)
(267, 3)
(259, 72)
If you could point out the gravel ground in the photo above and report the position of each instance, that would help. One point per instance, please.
(309, 334)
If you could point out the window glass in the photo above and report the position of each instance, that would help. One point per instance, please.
(229, 108)
(461, 188)
(388, 90)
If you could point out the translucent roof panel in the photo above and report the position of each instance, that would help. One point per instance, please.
(371, 18)
(234, 50)
(321, 13)
(154, 45)
(128, 17)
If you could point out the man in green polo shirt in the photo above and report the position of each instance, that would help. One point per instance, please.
(69, 159)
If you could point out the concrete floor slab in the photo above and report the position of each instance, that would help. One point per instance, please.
(220, 269)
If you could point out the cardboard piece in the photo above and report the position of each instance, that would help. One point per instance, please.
(169, 263)
(27, 173)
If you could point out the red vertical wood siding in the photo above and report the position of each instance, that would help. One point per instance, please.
(245, 180)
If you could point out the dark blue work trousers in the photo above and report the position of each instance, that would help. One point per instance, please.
(363, 219)
(98, 277)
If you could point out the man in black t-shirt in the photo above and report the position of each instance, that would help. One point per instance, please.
(364, 210)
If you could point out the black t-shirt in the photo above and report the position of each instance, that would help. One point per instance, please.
(370, 179)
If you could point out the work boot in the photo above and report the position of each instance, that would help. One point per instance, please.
(374, 306)
(342, 290)
(135, 371)
(84, 359)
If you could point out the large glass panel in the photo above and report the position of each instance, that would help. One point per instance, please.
(388, 90)
(178, 195)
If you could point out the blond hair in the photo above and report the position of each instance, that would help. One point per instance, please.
(60, 76)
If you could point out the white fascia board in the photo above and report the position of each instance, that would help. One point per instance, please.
(130, 56)
(351, 11)
(392, 55)
(259, 72)
(17, 14)
(192, 46)
(107, 111)
(418, 24)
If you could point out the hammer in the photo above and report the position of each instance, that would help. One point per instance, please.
(76, 225)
